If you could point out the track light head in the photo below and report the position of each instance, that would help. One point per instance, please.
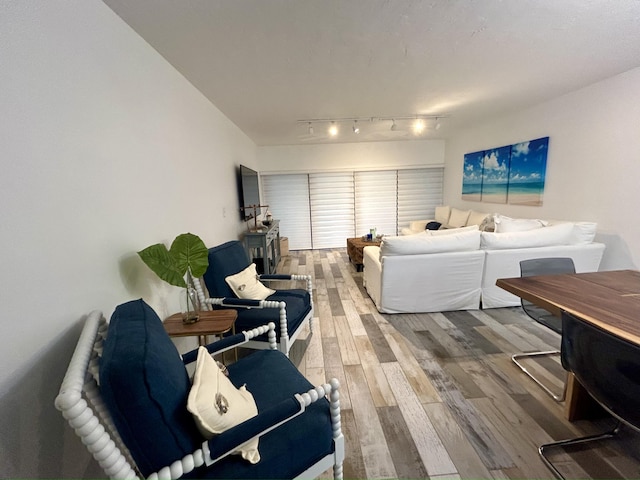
(356, 128)
(310, 129)
(394, 127)
(333, 129)
(418, 126)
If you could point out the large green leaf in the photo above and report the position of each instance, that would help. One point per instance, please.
(158, 259)
(189, 252)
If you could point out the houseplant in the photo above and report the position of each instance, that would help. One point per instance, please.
(186, 259)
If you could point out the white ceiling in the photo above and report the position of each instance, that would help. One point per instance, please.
(268, 63)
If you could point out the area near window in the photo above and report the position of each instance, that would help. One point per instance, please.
(322, 210)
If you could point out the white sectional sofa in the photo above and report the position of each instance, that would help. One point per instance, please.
(457, 268)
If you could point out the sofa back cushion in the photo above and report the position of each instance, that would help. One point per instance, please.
(476, 218)
(145, 386)
(442, 214)
(540, 237)
(458, 218)
(421, 243)
(505, 224)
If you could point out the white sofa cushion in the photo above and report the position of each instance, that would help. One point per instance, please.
(506, 224)
(451, 231)
(442, 214)
(476, 218)
(425, 243)
(583, 233)
(540, 237)
(458, 218)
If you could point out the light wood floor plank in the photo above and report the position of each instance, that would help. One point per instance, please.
(433, 453)
(348, 351)
(381, 392)
(378, 462)
(465, 458)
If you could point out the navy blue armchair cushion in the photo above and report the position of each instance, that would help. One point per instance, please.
(298, 305)
(224, 260)
(145, 386)
(291, 448)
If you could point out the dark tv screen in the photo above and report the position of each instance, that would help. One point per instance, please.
(249, 192)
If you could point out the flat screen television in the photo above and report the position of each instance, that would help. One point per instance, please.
(249, 192)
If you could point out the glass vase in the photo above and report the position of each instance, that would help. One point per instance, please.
(189, 301)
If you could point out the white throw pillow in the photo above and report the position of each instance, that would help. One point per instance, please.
(450, 231)
(208, 383)
(583, 233)
(246, 284)
(506, 224)
(421, 243)
(458, 218)
(476, 218)
(540, 237)
(442, 214)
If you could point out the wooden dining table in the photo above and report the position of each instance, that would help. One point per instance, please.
(610, 300)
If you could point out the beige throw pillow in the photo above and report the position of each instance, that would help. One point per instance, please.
(246, 284)
(458, 218)
(211, 394)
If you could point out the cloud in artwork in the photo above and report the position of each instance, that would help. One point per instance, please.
(491, 162)
(533, 176)
(520, 149)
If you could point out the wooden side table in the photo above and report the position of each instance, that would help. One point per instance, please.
(211, 322)
(355, 246)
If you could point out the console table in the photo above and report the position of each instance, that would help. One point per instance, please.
(263, 247)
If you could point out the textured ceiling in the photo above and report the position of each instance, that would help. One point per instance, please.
(268, 63)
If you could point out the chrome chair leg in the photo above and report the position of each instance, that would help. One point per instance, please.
(574, 441)
(557, 397)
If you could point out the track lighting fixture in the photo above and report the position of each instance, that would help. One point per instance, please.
(399, 123)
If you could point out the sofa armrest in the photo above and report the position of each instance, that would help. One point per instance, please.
(419, 225)
(372, 278)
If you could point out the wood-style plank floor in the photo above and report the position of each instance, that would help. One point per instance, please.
(436, 395)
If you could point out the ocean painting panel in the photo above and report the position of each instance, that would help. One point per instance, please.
(495, 174)
(527, 172)
(472, 176)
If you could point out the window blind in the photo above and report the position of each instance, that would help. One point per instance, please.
(419, 193)
(331, 196)
(322, 210)
(376, 196)
(288, 200)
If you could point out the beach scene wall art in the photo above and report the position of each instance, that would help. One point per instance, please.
(513, 174)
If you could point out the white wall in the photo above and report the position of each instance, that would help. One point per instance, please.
(593, 166)
(105, 149)
(341, 156)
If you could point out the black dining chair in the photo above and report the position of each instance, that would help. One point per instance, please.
(608, 367)
(543, 266)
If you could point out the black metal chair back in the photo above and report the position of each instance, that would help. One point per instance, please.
(545, 266)
(607, 366)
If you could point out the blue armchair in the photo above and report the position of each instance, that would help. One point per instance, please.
(125, 394)
(289, 309)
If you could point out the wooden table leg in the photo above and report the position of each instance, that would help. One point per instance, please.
(578, 403)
